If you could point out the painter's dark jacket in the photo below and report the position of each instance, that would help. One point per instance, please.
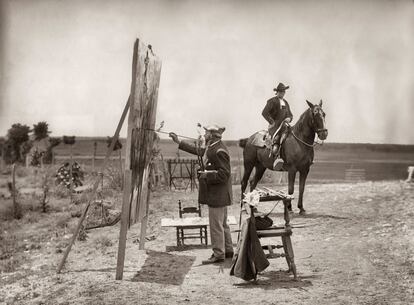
(273, 111)
(216, 189)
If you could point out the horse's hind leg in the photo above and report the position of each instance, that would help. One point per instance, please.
(302, 181)
(248, 167)
(258, 174)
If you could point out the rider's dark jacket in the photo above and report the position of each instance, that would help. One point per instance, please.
(275, 113)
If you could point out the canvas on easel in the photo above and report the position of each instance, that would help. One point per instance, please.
(146, 71)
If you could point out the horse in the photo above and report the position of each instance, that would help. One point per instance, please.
(296, 151)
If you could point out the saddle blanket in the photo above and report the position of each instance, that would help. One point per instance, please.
(259, 138)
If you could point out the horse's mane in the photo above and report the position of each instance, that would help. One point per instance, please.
(303, 119)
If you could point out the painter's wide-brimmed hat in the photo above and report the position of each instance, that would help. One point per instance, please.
(281, 87)
(215, 129)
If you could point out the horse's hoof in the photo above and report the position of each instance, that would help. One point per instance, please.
(302, 212)
(291, 212)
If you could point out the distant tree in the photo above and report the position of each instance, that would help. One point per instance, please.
(16, 143)
(49, 153)
(40, 130)
(55, 142)
(69, 140)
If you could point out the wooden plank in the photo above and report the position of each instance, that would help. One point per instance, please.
(141, 121)
(144, 220)
(95, 187)
(127, 195)
(126, 202)
(146, 71)
(192, 221)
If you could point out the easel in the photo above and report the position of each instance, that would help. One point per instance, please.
(142, 105)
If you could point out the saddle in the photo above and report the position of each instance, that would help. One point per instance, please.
(263, 138)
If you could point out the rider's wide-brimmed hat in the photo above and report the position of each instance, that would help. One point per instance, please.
(281, 87)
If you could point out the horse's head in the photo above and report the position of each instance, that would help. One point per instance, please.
(318, 120)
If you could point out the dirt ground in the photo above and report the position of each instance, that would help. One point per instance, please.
(357, 247)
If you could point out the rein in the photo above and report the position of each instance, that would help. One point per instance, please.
(307, 144)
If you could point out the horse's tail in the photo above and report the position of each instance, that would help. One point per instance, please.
(243, 142)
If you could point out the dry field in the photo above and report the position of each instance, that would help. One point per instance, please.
(357, 247)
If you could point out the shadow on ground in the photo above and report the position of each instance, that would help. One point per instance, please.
(102, 270)
(164, 268)
(315, 216)
(279, 216)
(185, 247)
(277, 280)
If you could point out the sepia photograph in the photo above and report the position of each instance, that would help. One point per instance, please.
(206, 152)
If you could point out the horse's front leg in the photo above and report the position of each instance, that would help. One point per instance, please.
(291, 187)
(302, 181)
(258, 174)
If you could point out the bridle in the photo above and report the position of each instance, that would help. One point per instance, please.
(317, 131)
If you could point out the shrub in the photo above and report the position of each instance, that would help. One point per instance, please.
(62, 220)
(61, 191)
(115, 177)
(83, 234)
(102, 242)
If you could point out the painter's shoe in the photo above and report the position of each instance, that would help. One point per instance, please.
(212, 260)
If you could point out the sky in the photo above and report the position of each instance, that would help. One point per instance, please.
(69, 63)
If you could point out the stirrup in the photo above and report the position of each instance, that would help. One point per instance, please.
(278, 164)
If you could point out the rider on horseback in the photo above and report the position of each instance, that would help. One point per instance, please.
(277, 113)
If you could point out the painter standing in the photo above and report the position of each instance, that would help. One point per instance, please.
(215, 189)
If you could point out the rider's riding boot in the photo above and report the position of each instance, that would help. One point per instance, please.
(278, 163)
(275, 149)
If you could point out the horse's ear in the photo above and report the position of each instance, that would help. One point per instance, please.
(320, 103)
(309, 103)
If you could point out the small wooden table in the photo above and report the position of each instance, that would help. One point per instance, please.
(191, 223)
(285, 232)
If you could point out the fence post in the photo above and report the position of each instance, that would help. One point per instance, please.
(17, 213)
(94, 155)
(71, 175)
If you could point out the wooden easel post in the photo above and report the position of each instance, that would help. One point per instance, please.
(144, 222)
(146, 70)
(120, 167)
(126, 200)
(95, 187)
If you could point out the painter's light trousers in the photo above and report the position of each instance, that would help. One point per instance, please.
(219, 231)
